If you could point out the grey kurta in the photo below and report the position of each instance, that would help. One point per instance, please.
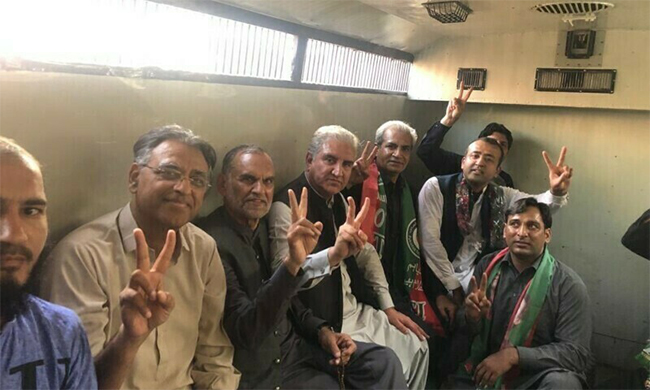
(563, 334)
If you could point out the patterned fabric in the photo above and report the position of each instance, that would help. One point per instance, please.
(465, 203)
(521, 327)
(408, 268)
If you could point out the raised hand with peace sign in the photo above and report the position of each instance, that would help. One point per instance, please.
(302, 234)
(351, 238)
(456, 106)
(477, 305)
(559, 175)
(362, 164)
(143, 303)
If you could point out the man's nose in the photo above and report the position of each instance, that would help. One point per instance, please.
(12, 229)
(337, 170)
(257, 187)
(183, 185)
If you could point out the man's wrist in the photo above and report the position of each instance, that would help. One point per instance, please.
(333, 258)
(292, 266)
(513, 356)
(129, 342)
(447, 121)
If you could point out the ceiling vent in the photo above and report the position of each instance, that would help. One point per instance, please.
(575, 80)
(472, 78)
(448, 11)
(574, 10)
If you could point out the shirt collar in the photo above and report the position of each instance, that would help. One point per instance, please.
(328, 202)
(243, 230)
(535, 265)
(126, 223)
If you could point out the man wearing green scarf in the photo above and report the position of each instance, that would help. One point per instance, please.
(391, 227)
(527, 314)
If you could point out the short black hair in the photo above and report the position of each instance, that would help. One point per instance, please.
(226, 166)
(150, 140)
(497, 128)
(492, 142)
(522, 205)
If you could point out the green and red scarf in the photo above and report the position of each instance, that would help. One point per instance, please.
(464, 205)
(523, 321)
(408, 269)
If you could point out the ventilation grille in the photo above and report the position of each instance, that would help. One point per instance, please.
(572, 7)
(575, 80)
(472, 77)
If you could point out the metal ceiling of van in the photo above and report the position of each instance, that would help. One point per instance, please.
(406, 25)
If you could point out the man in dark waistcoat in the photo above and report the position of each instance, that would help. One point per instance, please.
(261, 307)
(355, 298)
(462, 215)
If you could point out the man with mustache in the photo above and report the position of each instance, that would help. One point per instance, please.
(392, 229)
(278, 342)
(443, 162)
(462, 215)
(43, 346)
(355, 298)
(529, 315)
(103, 271)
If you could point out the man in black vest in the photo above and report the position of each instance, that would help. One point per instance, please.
(444, 162)
(261, 307)
(462, 215)
(355, 297)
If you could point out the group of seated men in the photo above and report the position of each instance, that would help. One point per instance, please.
(295, 288)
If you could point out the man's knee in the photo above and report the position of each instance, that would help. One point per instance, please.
(381, 361)
(560, 380)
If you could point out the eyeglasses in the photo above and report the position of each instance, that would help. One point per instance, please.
(173, 174)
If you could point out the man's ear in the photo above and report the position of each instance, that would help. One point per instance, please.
(134, 173)
(548, 234)
(309, 159)
(221, 184)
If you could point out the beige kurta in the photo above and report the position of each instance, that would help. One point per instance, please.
(88, 269)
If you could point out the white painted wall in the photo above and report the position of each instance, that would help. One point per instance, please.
(511, 61)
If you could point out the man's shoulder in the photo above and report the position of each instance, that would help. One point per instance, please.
(201, 240)
(213, 223)
(295, 184)
(56, 316)
(568, 274)
(99, 233)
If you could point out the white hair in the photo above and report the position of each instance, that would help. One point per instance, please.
(396, 125)
(333, 131)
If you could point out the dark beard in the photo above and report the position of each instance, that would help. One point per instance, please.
(13, 299)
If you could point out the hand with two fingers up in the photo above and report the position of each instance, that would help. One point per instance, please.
(362, 164)
(302, 234)
(144, 303)
(350, 239)
(456, 106)
(559, 175)
(477, 304)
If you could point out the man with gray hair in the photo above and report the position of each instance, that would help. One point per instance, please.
(392, 228)
(354, 298)
(103, 271)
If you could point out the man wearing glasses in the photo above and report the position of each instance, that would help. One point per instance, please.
(105, 271)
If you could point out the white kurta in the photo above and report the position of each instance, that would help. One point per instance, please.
(367, 324)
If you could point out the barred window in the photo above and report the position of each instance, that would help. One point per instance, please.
(331, 64)
(140, 33)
